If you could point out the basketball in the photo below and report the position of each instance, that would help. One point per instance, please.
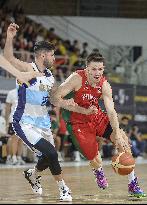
(123, 163)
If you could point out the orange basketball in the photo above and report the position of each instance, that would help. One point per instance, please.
(123, 163)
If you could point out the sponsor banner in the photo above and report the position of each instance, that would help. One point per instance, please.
(141, 100)
(131, 100)
(123, 96)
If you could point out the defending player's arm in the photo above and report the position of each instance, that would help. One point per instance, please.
(23, 77)
(8, 50)
(58, 94)
(109, 105)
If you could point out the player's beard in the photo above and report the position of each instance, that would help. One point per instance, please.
(47, 63)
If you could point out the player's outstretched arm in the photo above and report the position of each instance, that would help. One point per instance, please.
(8, 50)
(109, 105)
(23, 77)
(58, 94)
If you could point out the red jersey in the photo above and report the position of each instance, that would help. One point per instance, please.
(87, 96)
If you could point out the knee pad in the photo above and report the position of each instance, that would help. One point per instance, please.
(43, 163)
(49, 157)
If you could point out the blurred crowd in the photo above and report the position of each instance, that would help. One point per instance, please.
(70, 57)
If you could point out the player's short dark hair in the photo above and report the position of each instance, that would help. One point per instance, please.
(95, 56)
(43, 46)
(124, 118)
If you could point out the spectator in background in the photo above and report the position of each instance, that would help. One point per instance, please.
(51, 36)
(73, 58)
(14, 143)
(124, 124)
(79, 64)
(84, 52)
(2, 125)
(138, 144)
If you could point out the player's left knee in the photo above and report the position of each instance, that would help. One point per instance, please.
(53, 155)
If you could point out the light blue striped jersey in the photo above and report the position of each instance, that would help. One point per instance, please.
(33, 100)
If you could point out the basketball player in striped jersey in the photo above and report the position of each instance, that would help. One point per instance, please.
(89, 85)
(31, 121)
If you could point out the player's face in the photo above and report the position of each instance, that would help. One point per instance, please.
(49, 59)
(95, 70)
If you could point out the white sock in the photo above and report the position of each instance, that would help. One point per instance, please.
(61, 183)
(131, 176)
(99, 169)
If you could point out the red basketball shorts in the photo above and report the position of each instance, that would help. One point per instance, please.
(85, 136)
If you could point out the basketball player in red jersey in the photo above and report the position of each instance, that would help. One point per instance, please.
(88, 120)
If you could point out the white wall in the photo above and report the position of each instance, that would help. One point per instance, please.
(115, 30)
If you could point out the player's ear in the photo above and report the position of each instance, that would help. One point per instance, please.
(42, 54)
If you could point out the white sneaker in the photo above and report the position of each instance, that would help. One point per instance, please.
(33, 180)
(20, 161)
(14, 160)
(77, 156)
(65, 194)
(60, 158)
(9, 161)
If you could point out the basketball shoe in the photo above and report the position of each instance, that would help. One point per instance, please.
(33, 180)
(100, 178)
(135, 190)
(65, 192)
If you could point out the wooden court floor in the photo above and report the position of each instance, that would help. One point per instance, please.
(14, 188)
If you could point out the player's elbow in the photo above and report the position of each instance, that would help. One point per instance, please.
(54, 100)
